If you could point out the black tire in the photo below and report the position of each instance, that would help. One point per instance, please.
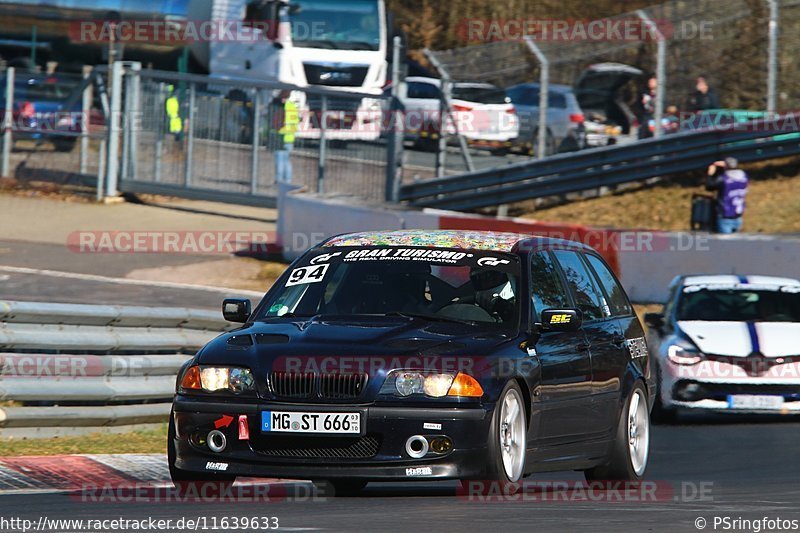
(342, 488)
(426, 144)
(496, 468)
(183, 480)
(620, 466)
(64, 145)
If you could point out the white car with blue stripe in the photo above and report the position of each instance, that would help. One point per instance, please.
(727, 343)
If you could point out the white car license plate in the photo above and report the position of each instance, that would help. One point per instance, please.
(752, 401)
(303, 422)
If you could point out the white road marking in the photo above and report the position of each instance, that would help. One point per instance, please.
(126, 281)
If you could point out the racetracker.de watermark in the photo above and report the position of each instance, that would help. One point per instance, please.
(191, 31)
(622, 30)
(198, 492)
(170, 242)
(564, 491)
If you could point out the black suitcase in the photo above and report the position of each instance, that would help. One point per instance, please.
(704, 213)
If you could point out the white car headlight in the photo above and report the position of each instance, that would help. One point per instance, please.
(683, 355)
(217, 378)
(408, 382)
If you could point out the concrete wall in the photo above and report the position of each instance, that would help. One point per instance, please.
(307, 220)
(646, 272)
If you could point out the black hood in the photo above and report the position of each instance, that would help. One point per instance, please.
(370, 345)
(323, 336)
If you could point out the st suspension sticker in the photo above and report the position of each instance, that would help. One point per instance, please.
(307, 274)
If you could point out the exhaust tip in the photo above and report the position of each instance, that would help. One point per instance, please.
(216, 441)
(417, 446)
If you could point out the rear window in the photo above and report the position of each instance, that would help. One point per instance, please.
(530, 96)
(480, 95)
(617, 300)
(422, 90)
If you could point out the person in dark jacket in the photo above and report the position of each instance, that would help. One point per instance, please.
(730, 184)
(647, 100)
(704, 97)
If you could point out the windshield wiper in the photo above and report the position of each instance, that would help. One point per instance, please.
(289, 315)
(359, 45)
(319, 43)
(435, 318)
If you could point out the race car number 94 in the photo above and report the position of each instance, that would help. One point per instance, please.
(299, 422)
(307, 274)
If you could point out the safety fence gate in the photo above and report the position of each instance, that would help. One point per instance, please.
(203, 138)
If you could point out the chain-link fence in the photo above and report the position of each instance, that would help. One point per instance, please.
(204, 135)
(192, 136)
(53, 128)
(728, 42)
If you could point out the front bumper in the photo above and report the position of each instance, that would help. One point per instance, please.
(707, 386)
(379, 454)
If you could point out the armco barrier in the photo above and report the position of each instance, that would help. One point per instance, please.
(758, 140)
(69, 369)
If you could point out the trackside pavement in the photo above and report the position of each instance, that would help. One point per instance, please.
(73, 251)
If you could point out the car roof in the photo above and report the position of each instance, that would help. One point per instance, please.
(459, 239)
(732, 279)
(438, 83)
(552, 87)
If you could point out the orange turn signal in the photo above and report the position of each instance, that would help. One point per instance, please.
(465, 385)
(191, 379)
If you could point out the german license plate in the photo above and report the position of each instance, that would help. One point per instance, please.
(303, 422)
(753, 401)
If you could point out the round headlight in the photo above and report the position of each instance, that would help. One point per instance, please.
(213, 378)
(437, 385)
(241, 379)
(408, 383)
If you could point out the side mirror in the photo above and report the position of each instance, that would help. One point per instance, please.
(654, 320)
(562, 319)
(236, 309)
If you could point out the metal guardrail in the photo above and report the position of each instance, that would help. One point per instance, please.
(601, 167)
(69, 369)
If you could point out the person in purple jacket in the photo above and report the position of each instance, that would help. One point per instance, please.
(730, 184)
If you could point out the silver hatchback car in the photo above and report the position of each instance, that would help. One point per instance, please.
(565, 129)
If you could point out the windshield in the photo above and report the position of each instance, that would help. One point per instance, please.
(737, 305)
(43, 90)
(338, 24)
(433, 283)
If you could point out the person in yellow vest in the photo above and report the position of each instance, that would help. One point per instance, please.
(173, 110)
(288, 119)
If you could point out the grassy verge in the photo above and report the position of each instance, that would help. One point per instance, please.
(150, 441)
(772, 206)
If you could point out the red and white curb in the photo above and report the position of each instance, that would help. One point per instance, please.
(61, 473)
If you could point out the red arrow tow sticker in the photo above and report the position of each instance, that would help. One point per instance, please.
(225, 421)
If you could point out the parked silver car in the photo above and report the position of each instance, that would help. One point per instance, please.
(565, 118)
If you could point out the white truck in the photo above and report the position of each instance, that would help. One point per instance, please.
(336, 44)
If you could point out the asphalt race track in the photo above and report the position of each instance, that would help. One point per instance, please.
(739, 468)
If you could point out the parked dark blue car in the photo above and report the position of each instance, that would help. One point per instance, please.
(44, 108)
